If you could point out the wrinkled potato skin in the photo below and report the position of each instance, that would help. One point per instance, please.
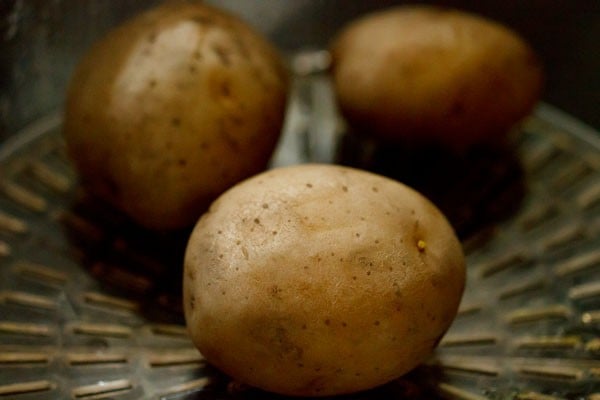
(172, 108)
(309, 281)
(425, 74)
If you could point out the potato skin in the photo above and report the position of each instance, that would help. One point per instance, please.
(172, 108)
(432, 75)
(317, 280)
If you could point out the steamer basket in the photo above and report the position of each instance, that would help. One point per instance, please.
(90, 304)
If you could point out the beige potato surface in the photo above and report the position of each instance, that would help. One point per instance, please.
(172, 108)
(317, 280)
(432, 75)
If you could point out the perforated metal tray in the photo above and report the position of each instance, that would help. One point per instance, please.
(90, 304)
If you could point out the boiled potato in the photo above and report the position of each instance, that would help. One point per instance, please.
(319, 280)
(172, 108)
(420, 74)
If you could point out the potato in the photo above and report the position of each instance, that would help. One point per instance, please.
(172, 108)
(320, 280)
(420, 74)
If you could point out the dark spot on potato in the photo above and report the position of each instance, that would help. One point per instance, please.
(304, 327)
(375, 189)
(376, 241)
(227, 138)
(225, 89)
(309, 185)
(192, 69)
(275, 292)
(354, 278)
(256, 221)
(300, 365)
(357, 235)
(191, 274)
(377, 323)
(238, 242)
(327, 322)
(221, 256)
(152, 83)
(192, 301)
(220, 232)
(181, 162)
(368, 273)
(345, 188)
(274, 233)
(204, 145)
(222, 54)
(344, 324)
(265, 206)
(152, 37)
(284, 346)
(197, 55)
(223, 292)
(175, 121)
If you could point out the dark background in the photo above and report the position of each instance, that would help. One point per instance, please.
(40, 42)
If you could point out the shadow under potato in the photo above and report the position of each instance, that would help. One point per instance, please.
(128, 260)
(474, 189)
(415, 385)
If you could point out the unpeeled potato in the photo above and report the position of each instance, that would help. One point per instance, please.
(172, 108)
(428, 75)
(318, 280)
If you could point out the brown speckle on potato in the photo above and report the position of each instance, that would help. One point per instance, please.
(223, 55)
